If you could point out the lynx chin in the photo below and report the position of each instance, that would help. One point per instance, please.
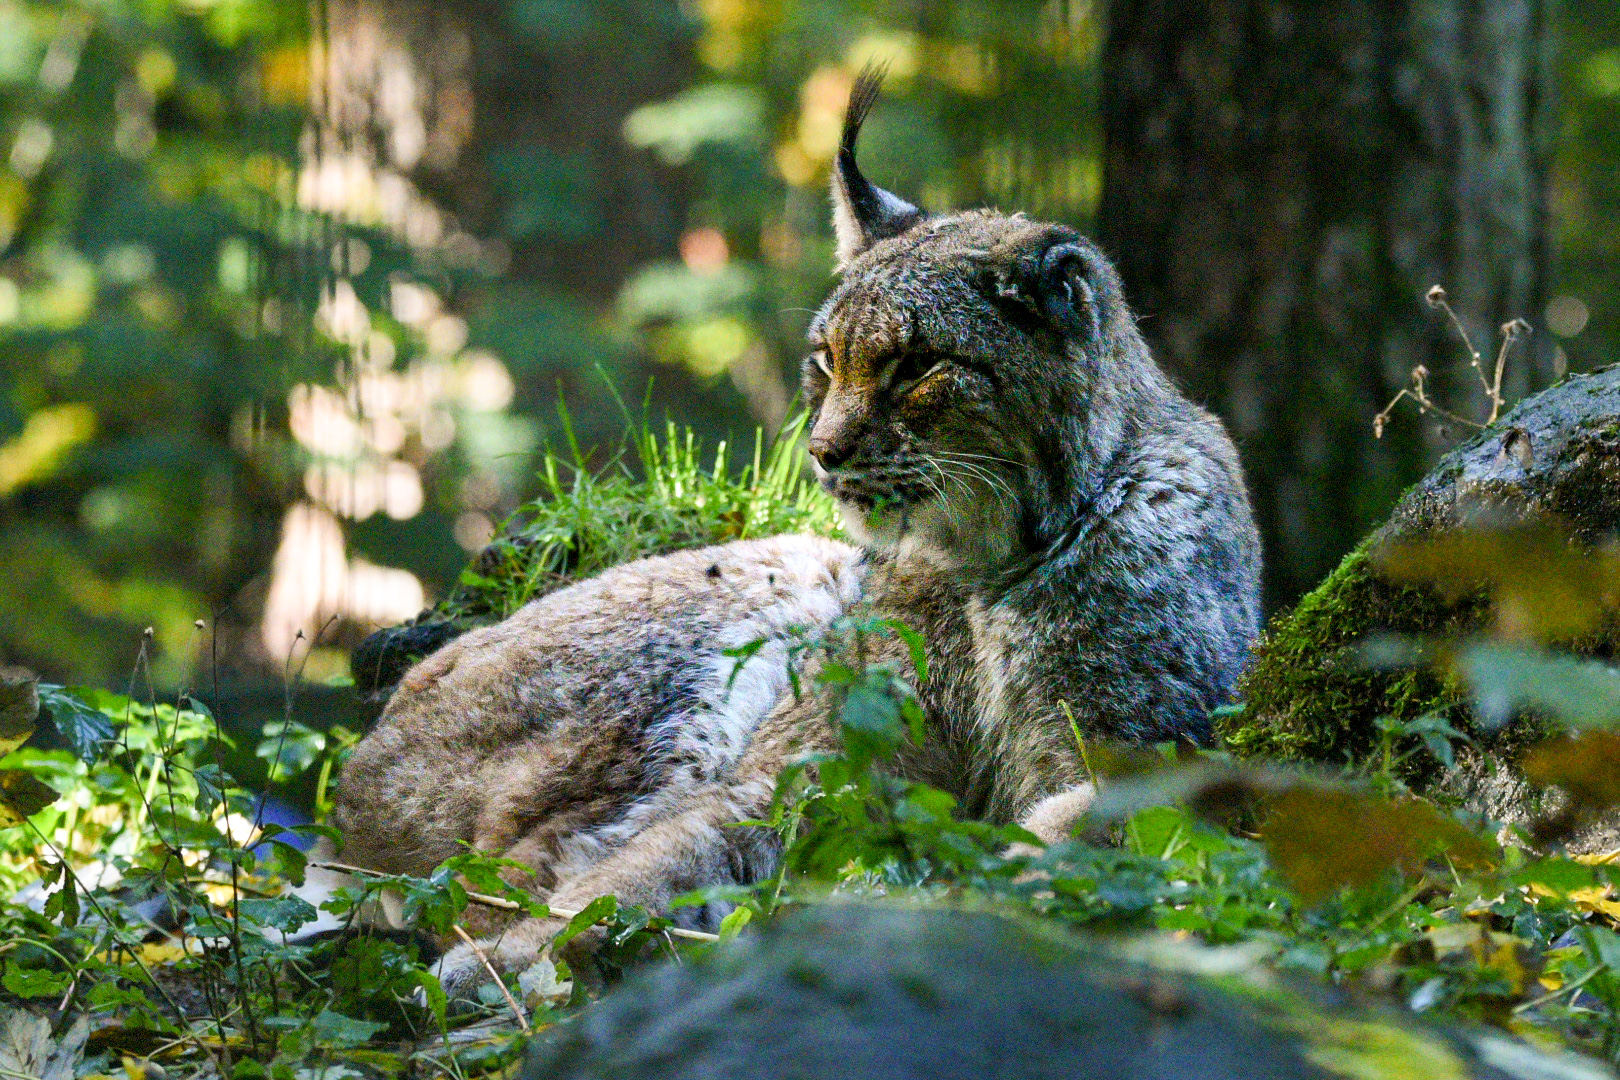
(1030, 493)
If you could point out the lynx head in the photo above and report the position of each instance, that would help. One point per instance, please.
(971, 374)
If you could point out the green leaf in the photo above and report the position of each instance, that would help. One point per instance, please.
(914, 642)
(34, 982)
(335, 1029)
(1556, 875)
(285, 913)
(733, 924)
(438, 1001)
(87, 728)
(598, 910)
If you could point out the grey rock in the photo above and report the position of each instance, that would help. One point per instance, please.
(843, 991)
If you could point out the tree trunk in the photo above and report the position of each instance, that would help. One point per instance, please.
(1283, 182)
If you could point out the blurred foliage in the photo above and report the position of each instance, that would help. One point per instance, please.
(1584, 312)
(172, 261)
(132, 195)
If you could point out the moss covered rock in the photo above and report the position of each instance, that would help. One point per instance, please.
(1555, 456)
(844, 990)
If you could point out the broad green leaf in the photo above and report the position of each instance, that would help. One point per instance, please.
(87, 728)
(34, 982)
(598, 910)
(335, 1029)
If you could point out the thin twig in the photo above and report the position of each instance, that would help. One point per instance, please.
(1526, 1006)
(517, 1010)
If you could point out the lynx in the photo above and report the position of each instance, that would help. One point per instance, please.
(1030, 493)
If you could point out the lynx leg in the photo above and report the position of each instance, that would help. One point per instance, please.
(1053, 819)
(696, 843)
(690, 848)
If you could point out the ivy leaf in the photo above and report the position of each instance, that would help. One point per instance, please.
(21, 797)
(19, 706)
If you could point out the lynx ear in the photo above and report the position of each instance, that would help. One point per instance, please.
(863, 213)
(1066, 286)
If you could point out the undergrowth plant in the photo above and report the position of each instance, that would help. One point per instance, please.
(660, 491)
(148, 895)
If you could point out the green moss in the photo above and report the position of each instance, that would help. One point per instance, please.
(1307, 694)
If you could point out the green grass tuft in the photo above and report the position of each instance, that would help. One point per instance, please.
(660, 492)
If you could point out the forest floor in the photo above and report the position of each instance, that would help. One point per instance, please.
(146, 932)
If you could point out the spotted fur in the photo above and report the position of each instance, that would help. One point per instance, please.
(1070, 535)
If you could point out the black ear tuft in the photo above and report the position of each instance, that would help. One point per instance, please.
(863, 213)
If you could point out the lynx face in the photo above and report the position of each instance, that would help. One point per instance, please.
(969, 372)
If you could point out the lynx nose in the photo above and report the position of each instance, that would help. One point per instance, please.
(831, 453)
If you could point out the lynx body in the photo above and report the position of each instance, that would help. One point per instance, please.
(1065, 530)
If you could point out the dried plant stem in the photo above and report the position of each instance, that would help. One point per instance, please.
(517, 1010)
(1419, 393)
(1494, 392)
(1511, 331)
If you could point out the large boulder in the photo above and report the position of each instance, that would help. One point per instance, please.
(1555, 457)
(844, 990)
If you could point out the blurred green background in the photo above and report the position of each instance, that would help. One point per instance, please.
(289, 293)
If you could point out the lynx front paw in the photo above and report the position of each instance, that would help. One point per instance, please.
(461, 972)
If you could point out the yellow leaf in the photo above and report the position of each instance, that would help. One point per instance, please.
(154, 953)
(1323, 840)
(21, 797)
(161, 952)
(19, 707)
(1584, 765)
(1603, 859)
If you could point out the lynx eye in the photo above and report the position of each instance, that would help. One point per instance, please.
(909, 369)
(819, 358)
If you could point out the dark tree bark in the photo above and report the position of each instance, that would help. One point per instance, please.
(1283, 181)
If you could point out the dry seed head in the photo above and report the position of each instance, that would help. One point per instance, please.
(1513, 329)
(1435, 296)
